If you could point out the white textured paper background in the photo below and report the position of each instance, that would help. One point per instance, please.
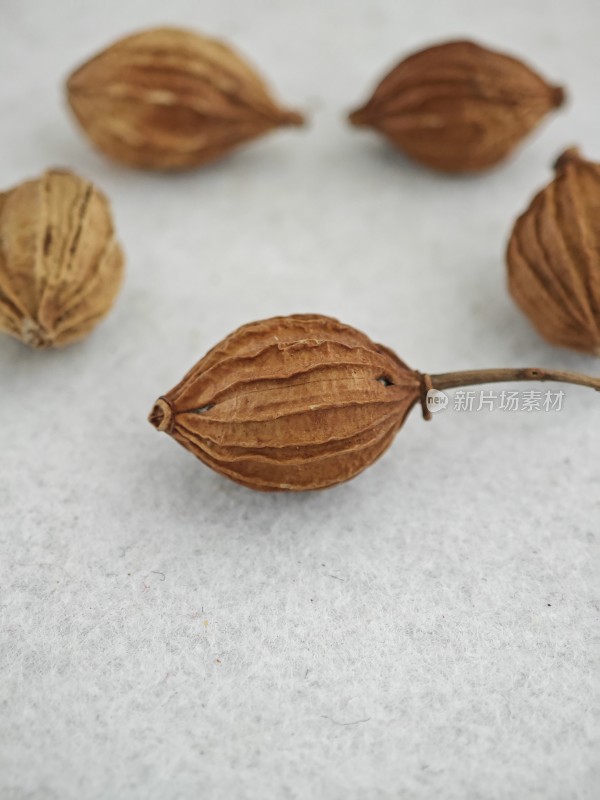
(425, 631)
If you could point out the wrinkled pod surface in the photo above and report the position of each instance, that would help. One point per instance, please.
(553, 256)
(171, 99)
(458, 107)
(302, 402)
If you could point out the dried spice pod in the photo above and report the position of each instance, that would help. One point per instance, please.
(458, 107)
(553, 256)
(303, 402)
(61, 267)
(170, 99)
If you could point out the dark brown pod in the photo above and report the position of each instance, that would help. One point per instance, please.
(553, 256)
(303, 402)
(458, 107)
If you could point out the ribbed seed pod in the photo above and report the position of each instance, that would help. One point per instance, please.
(171, 99)
(290, 403)
(554, 256)
(458, 107)
(305, 402)
(60, 265)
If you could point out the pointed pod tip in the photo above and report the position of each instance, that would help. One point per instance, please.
(358, 117)
(292, 119)
(559, 96)
(161, 416)
(569, 156)
(36, 335)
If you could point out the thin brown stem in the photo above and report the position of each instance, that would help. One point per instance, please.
(472, 377)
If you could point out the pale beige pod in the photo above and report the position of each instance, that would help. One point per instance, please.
(61, 266)
(171, 99)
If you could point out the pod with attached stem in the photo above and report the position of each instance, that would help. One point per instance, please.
(305, 402)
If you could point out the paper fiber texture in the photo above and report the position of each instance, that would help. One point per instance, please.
(426, 630)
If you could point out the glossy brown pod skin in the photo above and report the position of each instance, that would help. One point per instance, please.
(61, 267)
(458, 107)
(290, 403)
(553, 256)
(170, 99)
